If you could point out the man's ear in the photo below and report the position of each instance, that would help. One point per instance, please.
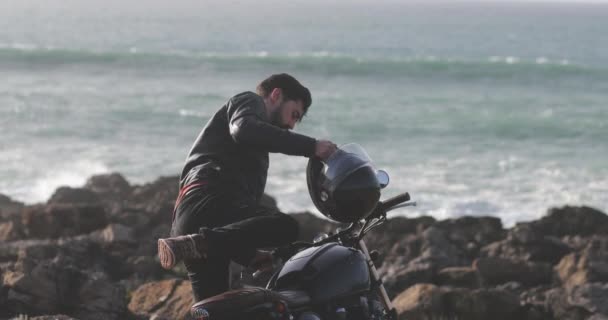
(276, 94)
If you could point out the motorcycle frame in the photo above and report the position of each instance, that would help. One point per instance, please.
(377, 282)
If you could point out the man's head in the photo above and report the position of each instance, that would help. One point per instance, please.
(287, 100)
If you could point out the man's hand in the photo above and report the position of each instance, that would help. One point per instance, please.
(324, 149)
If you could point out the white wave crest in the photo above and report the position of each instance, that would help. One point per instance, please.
(69, 174)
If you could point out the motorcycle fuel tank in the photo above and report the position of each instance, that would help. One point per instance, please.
(326, 272)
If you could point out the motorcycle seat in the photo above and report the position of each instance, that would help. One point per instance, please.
(232, 302)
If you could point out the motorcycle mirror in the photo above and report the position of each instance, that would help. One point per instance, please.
(383, 178)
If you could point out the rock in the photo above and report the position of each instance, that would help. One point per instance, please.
(156, 198)
(99, 299)
(491, 304)
(61, 220)
(55, 317)
(139, 220)
(523, 243)
(583, 221)
(147, 241)
(113, 190)
(429, 253)
(440, 251)
(115, 234)
(69, 195)
(9, 251)
(109, 186)
(426, 301)
(3, 296)
(395, 230)
(11, 230)
(49, 288)
(591, 296)
(472, 233)
(79, 253)
(416, 272)
(144, 267)
(419, 302)
(493, 271)
(590, 265)
(167, 299)
(465, 277)
(560, 307)
(9, 208)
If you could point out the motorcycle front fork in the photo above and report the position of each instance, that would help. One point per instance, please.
(384, 299)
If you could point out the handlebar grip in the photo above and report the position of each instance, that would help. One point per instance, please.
(398, 199)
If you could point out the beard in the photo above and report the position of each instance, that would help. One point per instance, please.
(275, 117)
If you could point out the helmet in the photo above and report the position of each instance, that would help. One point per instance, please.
(346, 188)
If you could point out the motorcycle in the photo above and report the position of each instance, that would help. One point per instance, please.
(335, 276)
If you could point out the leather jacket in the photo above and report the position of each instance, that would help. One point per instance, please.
(236, 142)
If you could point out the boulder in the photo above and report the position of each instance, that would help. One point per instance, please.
(490, 304)
(420, 301)
(524, 243)
(100, 299)
(9, 251)
(50, 287)
(583, 221)
(9, 207)
(111, 186)
(427, 301)
(80, 253)
(3, 296)
(11, 230)
(112, 189)
(55, 317)
(62, 220)
(493, 271)
(69, 195)
(115, 234)
(591, 296)
(167, 299)
(590, 265)
(397, 279)
(138, 219)
(560, 306)
(465, 277)
(144, 267)
(156, 198)
(417, 259)
(395, 230)
(472, 233)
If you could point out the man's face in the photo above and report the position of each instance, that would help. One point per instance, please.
(287, 114)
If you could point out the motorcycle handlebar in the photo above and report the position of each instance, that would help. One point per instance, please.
(398, 199)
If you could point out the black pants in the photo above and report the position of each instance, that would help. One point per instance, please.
(234, 230)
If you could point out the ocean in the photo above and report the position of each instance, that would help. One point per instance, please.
(475, 108)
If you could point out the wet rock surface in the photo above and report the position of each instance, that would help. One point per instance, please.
(90, 253)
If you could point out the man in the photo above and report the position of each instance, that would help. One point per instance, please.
(217, 217)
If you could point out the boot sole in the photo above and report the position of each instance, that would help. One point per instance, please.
(165, 254)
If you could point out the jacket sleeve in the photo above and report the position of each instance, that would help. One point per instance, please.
(248, 126)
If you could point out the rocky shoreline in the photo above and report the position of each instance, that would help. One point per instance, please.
(90, 253)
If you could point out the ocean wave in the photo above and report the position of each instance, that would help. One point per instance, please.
(42, 187)
(321, 62)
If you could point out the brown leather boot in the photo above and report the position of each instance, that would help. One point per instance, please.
(173, 250)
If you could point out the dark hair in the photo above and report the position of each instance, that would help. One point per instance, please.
(291, 88)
